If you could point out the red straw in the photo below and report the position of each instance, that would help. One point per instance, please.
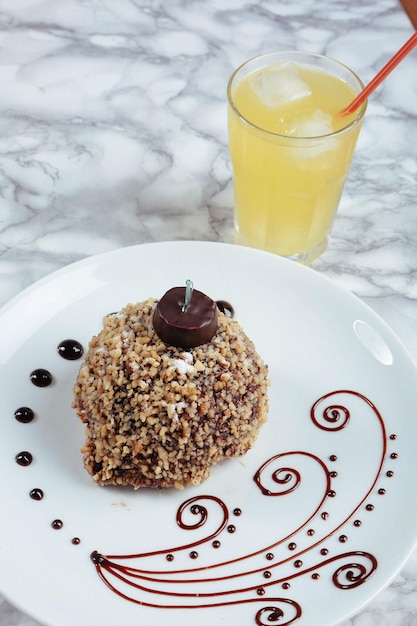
(383, 73)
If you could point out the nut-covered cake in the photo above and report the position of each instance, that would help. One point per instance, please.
(161, 415)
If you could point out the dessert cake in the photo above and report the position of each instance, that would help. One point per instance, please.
(161, 415)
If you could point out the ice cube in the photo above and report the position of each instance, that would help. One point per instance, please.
(279, 85)
(319, 123)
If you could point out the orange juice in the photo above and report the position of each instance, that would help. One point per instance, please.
(290, 150)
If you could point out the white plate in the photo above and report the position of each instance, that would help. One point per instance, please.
(320, 342)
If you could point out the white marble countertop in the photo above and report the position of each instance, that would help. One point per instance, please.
(113, 132)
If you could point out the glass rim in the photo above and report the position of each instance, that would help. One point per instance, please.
(270, 133)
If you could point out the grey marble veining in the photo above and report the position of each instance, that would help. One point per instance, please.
(113, 132)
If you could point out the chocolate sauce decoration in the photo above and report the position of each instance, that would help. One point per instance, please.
(57, 524)
(24, 415)
(70, 349)
(36, 494)
(185, 318)
(24, 458)
(226, 308)
(41, 377)
(352, 568)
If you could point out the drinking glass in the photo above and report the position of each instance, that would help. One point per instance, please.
(291, 149)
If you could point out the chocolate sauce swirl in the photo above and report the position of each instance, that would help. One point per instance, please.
(213, 584)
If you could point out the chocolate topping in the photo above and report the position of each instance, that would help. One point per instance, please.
(185, 326)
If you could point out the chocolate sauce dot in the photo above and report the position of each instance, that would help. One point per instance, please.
(286, 585)
(369, 507)
(324, 551)
(324, 515)
(310, 532)
(394, 455)
(343, 538)
(231, 528)
(97, 558)
(331, 493)
(292, 546)
(193, 554)
(24, 458)
(381, 492)
(36, 494)
(267, 574)
(225, 307)
(76, 541)
(260, 591)
(269, 556)
(216, 544)
(57, 524)
(70, 349)
(237, 512)
(298, 563)
(333, 474)
(393, 437)
(315, 576)
(333, 457)
(169, 557)
(41, 377)
(357, 522)
(24, 414)
(390, 473)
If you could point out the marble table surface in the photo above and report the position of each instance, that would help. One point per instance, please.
(113, 133)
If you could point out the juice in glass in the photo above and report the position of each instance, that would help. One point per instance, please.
(290, 149)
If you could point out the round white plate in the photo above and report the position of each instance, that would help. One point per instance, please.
(313, 522)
